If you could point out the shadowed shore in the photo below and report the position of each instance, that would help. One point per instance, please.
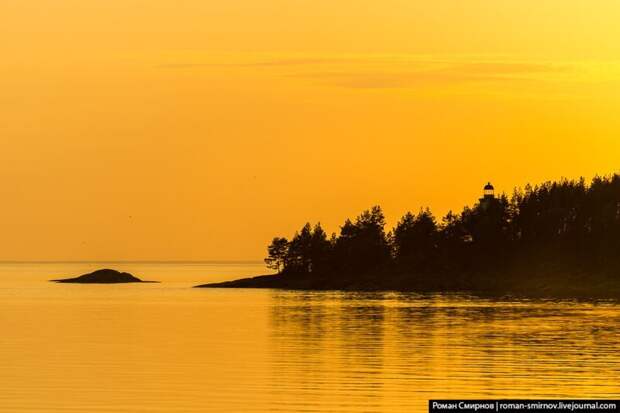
(104, 276)
(577, 285)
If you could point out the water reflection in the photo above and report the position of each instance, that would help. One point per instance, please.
(166, 348)
(389, 352)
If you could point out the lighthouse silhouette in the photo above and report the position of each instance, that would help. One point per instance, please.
(488, 197)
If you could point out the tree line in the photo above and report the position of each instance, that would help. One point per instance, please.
(570, 222)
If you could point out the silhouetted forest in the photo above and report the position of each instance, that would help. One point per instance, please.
(565, 231)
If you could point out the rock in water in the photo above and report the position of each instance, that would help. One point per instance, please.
(105, 276)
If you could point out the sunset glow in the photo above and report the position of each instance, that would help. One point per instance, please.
(159, 130)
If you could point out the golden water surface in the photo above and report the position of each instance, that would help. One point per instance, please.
(169, 348)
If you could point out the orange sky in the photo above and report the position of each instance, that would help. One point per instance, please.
(196, 129)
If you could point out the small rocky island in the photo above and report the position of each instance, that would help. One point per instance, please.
(104, 276)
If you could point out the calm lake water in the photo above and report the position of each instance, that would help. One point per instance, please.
(169, 348)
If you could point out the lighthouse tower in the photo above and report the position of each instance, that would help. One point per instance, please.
(489, 191)
(488, 197)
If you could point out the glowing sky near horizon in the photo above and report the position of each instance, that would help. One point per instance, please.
(198, 129)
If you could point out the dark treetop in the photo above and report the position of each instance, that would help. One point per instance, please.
(557, 238)
(104, 276)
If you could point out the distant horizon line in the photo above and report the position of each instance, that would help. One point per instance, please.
(131, 261)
